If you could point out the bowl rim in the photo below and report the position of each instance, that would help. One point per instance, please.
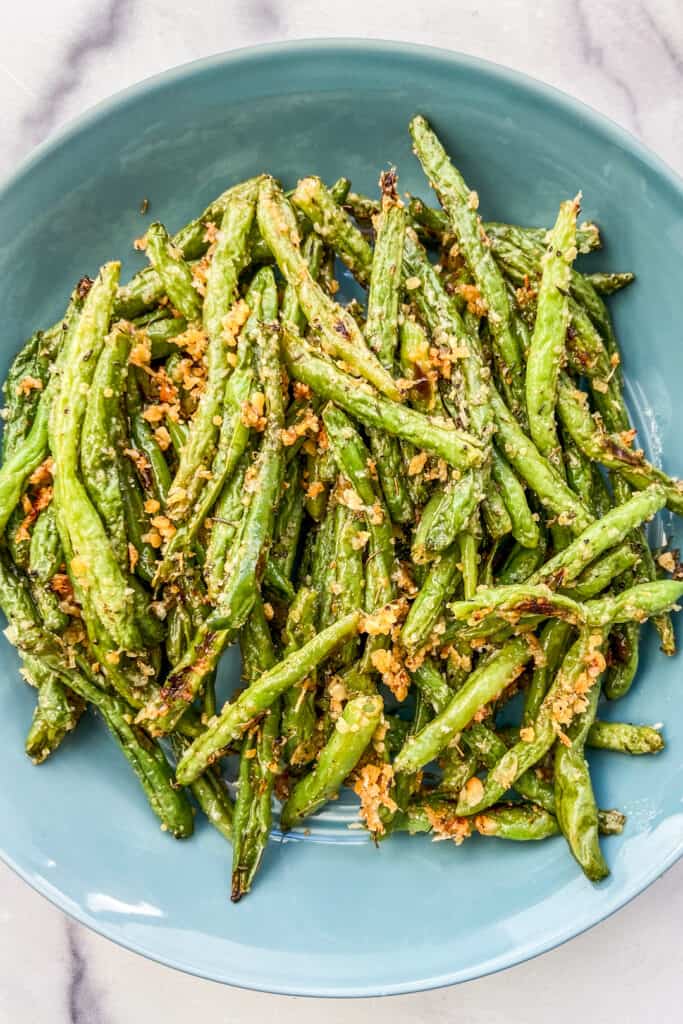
(263, 52)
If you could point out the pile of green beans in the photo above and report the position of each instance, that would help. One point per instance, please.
(414, 516)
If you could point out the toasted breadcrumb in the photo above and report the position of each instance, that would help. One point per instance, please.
(29, 384)
(372, 785)
(252, 412)
(417, 463)
(314, 489)
(133, 556)
(360, 540)
(162, 438)
(392, 671)
(667, 561)
(446, 825)
(476, 303)
(382, 622)
(164, 526)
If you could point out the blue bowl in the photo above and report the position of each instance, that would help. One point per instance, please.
(332, 915)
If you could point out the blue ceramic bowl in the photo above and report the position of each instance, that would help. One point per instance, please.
(332, 915)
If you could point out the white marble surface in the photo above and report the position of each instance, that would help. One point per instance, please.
(624, 57)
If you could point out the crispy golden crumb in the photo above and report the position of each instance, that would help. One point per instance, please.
(314, 489)
(133, 556)
(372, 785)
(253, 412)
(162, 438)
(476, 303)
(445, 825)
(29, 384)
(417, 463)
(392, 671)
(382, 621)
(667, 561)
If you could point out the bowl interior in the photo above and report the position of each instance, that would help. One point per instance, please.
(334, 915)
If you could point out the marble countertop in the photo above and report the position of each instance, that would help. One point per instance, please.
(624, 57)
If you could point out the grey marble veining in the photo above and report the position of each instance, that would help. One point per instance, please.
(58, 58)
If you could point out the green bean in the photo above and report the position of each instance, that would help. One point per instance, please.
(161, 331)
(258, 763)
(144, 440)
(535, 470)
(228, 261)
(520, 822)
(232, 443)
(521, 563)
(137, 522)
(601, 535)
(485, 683)
(95, 562)
(192, 241)
(101, 439)
(445, 516)
(320, 473)
(414, 356)
(288, 524)
(461, 205)
(560, 700)
(333, 225)
(237, 593)
(340, 755)
(26, 380)
(554, 639)
(625, 640)
(469, 557)
(598, 576)
(227, 523)
(173, 271)
(388, 457)
(523, 523)
(353, 460)
(339, 332)
(449, 328)
(164, 711)
(178, 432)
(16, 470)
(608, 284)
(298, 712)
(457, 768)
(179, 632)
(145, 757)
(546, 351)
(579, 472)
(432, 684)
(576, 809)
(322, 570)
(638, 603)
(210, 792)
(528, 239)
(521, 599)
(438, 586)
(48, 606)
(46, 555)
(349, 577)
(610, 450)
(430, 433)
(258, 697)
(625, 738)
(385, 278)
(496, 516)
(57, 711)
(313, 251)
